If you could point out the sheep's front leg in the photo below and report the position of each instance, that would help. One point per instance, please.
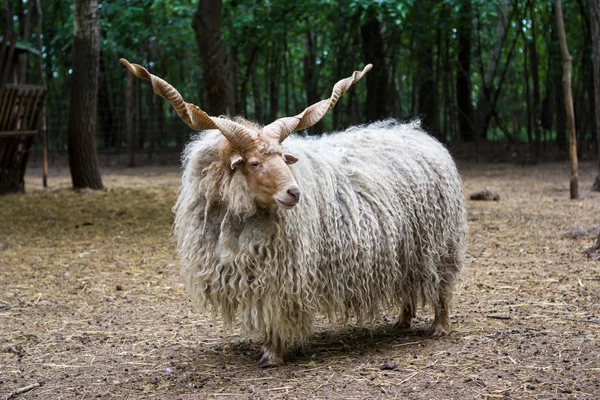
(408, 313)
(272, 352)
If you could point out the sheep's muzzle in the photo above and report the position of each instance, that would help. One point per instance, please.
(291, 198)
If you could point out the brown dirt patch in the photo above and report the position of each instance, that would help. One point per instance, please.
(91, 305)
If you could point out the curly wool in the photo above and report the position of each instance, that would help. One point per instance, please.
(381, 224)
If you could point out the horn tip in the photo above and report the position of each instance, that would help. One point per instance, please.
(367, 68)
(136, 69)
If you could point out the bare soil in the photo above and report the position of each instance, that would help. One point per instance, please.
(91, 305)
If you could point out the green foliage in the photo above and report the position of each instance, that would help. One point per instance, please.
(268, 44)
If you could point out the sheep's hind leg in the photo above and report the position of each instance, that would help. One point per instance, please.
(441, 322)
(408, 313)
(272, 352)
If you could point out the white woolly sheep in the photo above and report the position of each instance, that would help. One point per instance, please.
(381, 224)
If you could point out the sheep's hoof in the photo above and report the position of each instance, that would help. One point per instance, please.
(270, 360)
(438, 330)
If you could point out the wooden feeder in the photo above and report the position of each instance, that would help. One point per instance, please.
(21, 108)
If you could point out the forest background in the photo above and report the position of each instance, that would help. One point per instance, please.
(474, 71)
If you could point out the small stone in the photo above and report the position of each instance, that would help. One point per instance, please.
(389, 366)
(485, 195)
(119, 287)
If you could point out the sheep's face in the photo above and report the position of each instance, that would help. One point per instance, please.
(270, 180)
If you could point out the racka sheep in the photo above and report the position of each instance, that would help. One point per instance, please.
(380, 223)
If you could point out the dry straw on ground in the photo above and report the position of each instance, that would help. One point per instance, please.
(91, 305)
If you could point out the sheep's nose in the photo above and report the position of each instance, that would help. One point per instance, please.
(294, 192)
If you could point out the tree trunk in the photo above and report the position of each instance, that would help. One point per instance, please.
(447, 110)
(274, 85)
(105, 110)
(8, 18)
(584, 112)
(346, 47)
(372, 48)
(259, 114)
(242, 101)
(24, 13)
(527, 91)
(559, 97)
(537, 108)
(138, 128)
(160, 116)
(216, 68)
(394, 108)
(484, 108)
(150, 120)
(425, 91)
(561, 114)
(129, 120)
(439, 133)
(567, 65)
(83, 159)
(547, 117)
(595, 28)
(311, 76)
(547, 105)
(463, 75)
(40, 19)
(288, 77)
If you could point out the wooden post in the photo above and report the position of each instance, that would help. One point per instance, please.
(567, 66)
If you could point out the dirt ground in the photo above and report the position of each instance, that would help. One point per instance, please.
(91, 305)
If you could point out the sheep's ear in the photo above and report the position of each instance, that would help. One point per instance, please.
(236, 160)
(290, 159)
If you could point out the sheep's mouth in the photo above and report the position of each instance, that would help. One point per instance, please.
(286, 205)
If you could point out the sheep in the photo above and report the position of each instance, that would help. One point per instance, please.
(380, 224)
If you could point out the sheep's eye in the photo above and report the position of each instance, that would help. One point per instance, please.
(254, 164)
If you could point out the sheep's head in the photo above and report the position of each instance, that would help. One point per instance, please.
(257, 153)
(264, 165)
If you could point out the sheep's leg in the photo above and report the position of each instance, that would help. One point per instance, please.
(441, 322)
(408, 313)
(272, 352)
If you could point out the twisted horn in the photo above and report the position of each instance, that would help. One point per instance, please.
(238, 135)
(313, 114)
